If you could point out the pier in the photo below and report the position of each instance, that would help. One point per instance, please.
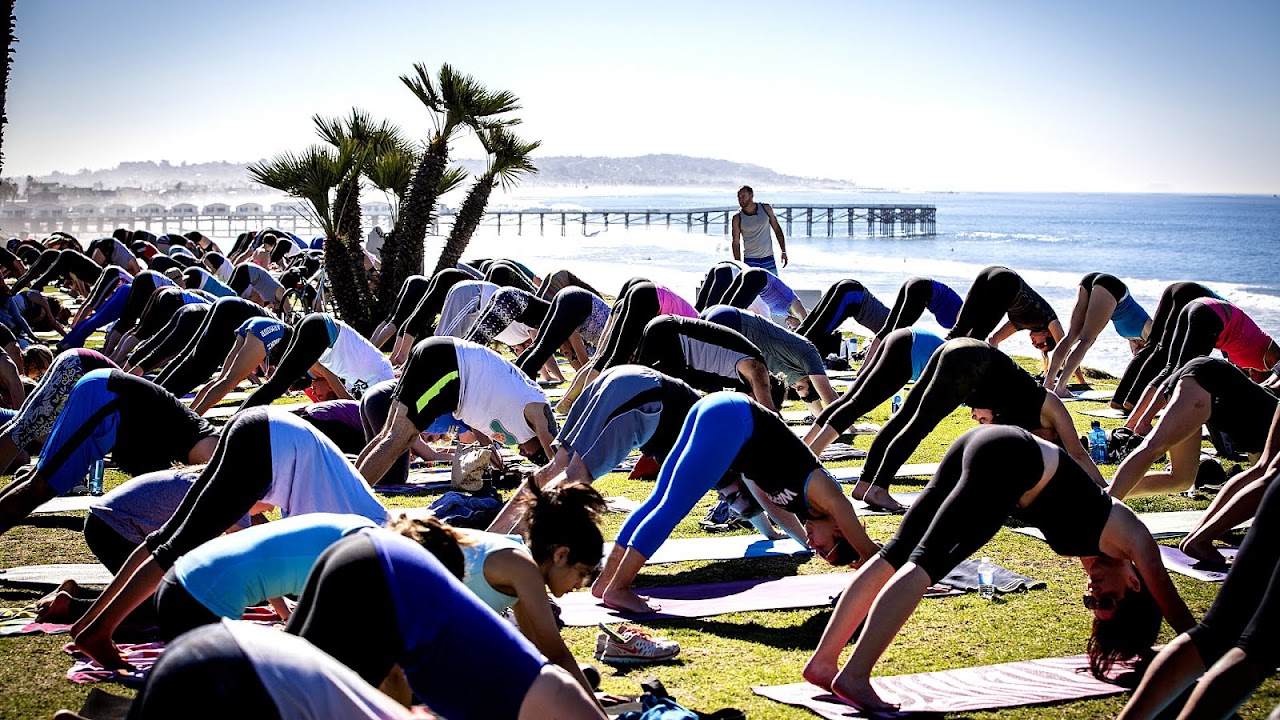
(805, 220)
(222, 220)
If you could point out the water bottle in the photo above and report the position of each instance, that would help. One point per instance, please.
(96, 471)
(1097, 443)
(851, 347)
(986, 579)
(897, 403)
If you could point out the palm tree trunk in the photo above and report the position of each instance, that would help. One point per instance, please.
(6, 7)
(466, 222)
(405, 257)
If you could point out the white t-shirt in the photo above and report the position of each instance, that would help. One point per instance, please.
(306, 683)
(462, 306)
(355, 359)
(493, 394)
(310, 474)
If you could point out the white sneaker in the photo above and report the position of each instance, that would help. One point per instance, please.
(631, 645)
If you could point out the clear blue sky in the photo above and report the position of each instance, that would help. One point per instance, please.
(1070, 96)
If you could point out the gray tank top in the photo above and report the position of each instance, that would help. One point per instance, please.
(711, 358)
(756, 240)
(872, 313)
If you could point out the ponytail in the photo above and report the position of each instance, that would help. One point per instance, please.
(438, 537)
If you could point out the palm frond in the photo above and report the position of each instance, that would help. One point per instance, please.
(392, 170)
(451, 179)
(509, 156)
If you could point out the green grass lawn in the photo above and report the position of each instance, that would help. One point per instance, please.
(722, 656)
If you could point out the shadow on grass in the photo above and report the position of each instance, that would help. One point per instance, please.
(804, 636)
(725, 570)
(63, 522)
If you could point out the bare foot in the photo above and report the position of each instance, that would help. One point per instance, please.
(1201, 550)
(880, 499)
(858, 691)
(102, 651)
(599, 586)
(54, 608)
(860, 489)
(820, 672)
(628, 600)
(1063, 393)
(68, 586)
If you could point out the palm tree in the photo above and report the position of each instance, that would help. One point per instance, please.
(509, 160)
(6, 7)
(312, 176)
(455, 101)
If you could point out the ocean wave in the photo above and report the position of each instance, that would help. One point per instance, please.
(1011, 237)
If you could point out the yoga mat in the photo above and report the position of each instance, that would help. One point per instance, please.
(22, 621)
(1029, 682)
(1177, 561)
(582, 609)
(840, 451)
(853, 474)
(621, 504)
(729, 547)
(1163, 525)
(66, 503)
(1111, 413)
(82, 573)
(140, 655)
(1091, 395)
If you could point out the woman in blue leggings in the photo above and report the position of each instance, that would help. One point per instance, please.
(727, 434)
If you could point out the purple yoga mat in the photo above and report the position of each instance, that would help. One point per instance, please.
(1029, 682)
(581, 609)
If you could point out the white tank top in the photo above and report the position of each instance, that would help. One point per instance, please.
(493, 394)
(356, 360)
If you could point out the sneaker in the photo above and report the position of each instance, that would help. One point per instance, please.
(631, 645)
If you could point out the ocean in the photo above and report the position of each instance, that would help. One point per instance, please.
(1230, 243)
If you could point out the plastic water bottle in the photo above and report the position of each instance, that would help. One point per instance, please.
(851, 347)
(897, 403)
(96, 471)
(1097, 443)
(986, 579)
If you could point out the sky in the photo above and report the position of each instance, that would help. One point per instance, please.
(1087, 96)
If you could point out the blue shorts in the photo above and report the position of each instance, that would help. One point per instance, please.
(764, 263)
(604, 426)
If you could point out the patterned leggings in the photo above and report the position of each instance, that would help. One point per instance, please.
(38, 412)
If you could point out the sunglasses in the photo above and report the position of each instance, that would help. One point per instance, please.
(1104, 603)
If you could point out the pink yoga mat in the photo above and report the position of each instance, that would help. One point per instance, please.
(582, 609)
(1029, 682)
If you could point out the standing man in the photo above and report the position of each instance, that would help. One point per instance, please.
(751, 227)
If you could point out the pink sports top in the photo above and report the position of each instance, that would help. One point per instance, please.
(1241, 340)
(670, 303)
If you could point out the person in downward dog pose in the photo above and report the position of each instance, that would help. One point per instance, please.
(988, 474)
(1100, 298)
(915, 296)
(727, 433)
(999, 291)
(843, 300)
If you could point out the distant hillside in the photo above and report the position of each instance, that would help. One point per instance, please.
(182, 179)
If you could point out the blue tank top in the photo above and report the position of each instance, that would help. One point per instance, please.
(945, 305)
(236, 571)
(923, 344)
(482, 546)
(269, 330)
(448, 636)
(1129, 318)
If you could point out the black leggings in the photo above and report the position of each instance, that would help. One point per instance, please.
(411, 293)
(177, 611)
(36, 269)
(953, 373)
(144, 286)
(661, 349)
(715, 286)
(375, 407)
(746, 288)
(169, 341)
(69, 263)
(209, 347)
(1195, 335)
(160, 309)
(422, 321)
(913, 297)
(884, 375)
(571, 307)
(105, 285)
(349, 574)
(1245, 612)
(1153, 356)
(163, 263)
(819, 327)
(310, 340)
(505, 274)
(634, 309)
(993, 291)
(978, 484)
(425, 387)
(238, 476)
(205, 667)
